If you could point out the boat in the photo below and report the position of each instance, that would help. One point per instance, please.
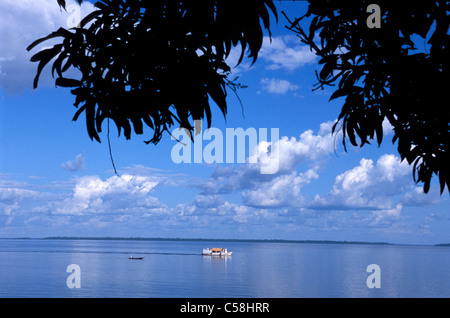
(216, 252)
(131, 257)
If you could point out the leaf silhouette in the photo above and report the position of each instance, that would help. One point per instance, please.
(383, 76)
(155, 63)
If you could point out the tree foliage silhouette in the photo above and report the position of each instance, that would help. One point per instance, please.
(381, 73)
(155, 62)
(158, 62)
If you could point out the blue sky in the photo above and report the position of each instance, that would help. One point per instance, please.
(54, 181)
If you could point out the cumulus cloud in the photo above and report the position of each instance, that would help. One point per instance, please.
(368, 185)
(220, 214)
(208, 201)
(288, 152)
(285, 52)
(115, 194)
(74, 165)
(11, 200)
(375, 187)
(15, 196)
(22, 22)
(277, 86)
(416, 197)
(372, 194)
(282, 189)
(385, 217)
(263, 197)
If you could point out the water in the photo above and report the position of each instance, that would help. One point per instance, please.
(173, 269)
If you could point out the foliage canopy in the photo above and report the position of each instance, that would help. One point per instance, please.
(159, 62)
(154, 62)
(381, 73)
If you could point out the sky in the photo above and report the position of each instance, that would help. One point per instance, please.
(55, 181)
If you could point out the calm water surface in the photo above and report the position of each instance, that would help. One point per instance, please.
(37, 268)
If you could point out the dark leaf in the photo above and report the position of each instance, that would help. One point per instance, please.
(44, 57)
(67, 82)
(62, 3)
(90, 120)
(339, 93)
(90, 17)
(379, 132)
(78, 112)
(61, 32)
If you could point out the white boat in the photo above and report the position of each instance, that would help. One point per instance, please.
(216, 252)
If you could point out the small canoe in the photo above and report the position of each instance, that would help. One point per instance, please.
(131, 257)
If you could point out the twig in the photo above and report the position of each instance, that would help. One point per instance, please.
(110, 152)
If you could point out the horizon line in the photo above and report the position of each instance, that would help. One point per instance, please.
(219, 240)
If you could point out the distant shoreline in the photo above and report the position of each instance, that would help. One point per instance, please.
(216, 240)
(110, 238)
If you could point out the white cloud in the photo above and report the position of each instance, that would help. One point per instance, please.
(17, 196)
(213, 216)
(285, 52)
(282, 189)
(11, 200)
(287, 152)
(74, 165)
(417, 197)
(385, 217)
(388, 129)
(277, 86)
(21, 23)
(115, 194)
(208, 201)
(369, 186)
(371, 195)
(308, 147)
